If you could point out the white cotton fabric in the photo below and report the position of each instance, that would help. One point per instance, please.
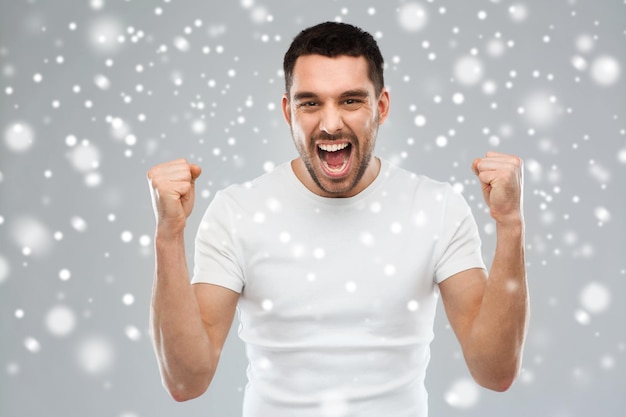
(338, 296)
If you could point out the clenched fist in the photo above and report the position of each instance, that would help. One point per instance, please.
(501, 179)
(172, 190)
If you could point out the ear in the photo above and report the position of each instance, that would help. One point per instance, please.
(383, 106)
(286, 106)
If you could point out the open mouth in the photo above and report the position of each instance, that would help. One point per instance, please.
(335, 158)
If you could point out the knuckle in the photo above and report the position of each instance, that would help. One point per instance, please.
(157, 184)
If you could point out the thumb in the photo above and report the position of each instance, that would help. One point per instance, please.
(195, 171)
(475, 165)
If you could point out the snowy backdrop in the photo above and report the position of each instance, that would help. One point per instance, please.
(94, 92)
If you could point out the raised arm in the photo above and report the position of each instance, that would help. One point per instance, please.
(489, 315)
(188, 324)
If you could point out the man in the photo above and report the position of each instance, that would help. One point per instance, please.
(336, 259)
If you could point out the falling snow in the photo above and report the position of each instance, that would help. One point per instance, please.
(94, 94)
(95, 355)
(60, 321)
(19, 137)
(463, 393)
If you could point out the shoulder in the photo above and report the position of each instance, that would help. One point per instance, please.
(417, 183)
(263, 193)
(262, 186)
(438, 199)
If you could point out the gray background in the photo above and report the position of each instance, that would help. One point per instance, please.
(93, 93)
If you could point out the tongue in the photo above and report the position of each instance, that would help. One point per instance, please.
(336, 159)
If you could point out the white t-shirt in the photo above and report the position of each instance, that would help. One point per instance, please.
(338, 295)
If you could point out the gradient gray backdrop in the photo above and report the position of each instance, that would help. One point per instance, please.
(93, 93)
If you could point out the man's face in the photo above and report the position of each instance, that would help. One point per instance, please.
(334, 114)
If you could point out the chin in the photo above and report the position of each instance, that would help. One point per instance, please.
(337, 187)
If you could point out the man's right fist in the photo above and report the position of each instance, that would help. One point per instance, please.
(172, 190)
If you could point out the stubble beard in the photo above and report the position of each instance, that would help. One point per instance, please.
(363, 164)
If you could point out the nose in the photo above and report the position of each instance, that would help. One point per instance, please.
(331, 120)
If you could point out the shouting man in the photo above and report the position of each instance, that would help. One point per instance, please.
(336, 260)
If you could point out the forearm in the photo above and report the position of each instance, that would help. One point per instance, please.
(180, 341)
(499, 329)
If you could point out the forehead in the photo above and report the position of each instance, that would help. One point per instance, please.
(323, 75)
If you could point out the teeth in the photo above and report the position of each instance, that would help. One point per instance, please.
(334, 147)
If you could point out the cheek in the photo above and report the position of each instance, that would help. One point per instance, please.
(301, 128)
(298, 133)
(361, 124)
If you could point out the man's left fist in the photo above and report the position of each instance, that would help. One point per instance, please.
(501, 179)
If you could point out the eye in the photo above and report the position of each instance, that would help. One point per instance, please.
(352, 102)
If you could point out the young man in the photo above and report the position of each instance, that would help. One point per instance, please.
(336, 259)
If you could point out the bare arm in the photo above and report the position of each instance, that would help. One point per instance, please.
(490, 315)
(189, 324)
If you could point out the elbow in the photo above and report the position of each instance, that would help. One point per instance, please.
(496, 374)
(185, 392)
(182, 396)
(186, 383)
(498, 383)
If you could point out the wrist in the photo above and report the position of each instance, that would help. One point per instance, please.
(510, 227)
(165, 234)
(513, 220)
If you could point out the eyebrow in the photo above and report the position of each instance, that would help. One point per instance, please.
(359, 93)
(304, 95)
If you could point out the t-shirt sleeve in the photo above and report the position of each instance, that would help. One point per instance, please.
(217, 257)
(459, 245)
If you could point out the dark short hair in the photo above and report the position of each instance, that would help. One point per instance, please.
(332, 39)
